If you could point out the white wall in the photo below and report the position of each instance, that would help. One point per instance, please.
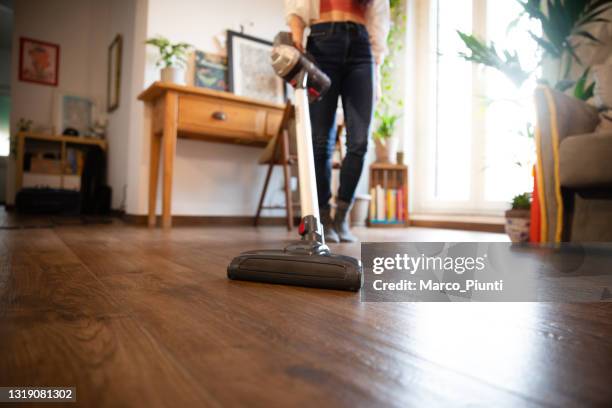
(76, 26)
(121, 20)
(84, 29)
(79, 27)
(209, 178)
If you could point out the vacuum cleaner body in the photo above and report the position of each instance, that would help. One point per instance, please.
(307, 262)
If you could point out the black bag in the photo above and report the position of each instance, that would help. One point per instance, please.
(95, 194)
(48, 201)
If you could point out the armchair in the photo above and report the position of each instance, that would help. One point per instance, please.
(574, 170)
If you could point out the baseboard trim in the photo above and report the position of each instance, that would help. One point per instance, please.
(459, 225)
(205, 220)
(228, 221)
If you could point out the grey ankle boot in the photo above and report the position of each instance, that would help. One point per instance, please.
(328, 226)
(341, 223)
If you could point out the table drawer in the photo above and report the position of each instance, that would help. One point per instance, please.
(222, 118)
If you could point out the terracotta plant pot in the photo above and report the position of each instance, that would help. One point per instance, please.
(386, 150)
(517, 225)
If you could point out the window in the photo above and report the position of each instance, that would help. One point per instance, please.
(508, 148)
(4, 125)
(453, 110)
(476, 155)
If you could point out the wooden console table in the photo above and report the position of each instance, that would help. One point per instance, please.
(200, 114)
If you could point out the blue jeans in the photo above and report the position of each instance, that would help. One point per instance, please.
(342, 51)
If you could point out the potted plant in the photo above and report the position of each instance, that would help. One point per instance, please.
(564, 30)
(386, 144)
(389, 106)
(172, 57)
(518, 218)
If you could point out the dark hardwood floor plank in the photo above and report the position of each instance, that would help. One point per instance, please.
(285, 318)
(60, 327)
(133, 314)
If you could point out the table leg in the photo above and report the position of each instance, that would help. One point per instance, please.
(154, 176)
(169, 140)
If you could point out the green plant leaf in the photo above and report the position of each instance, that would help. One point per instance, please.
(169, 54)
(507, 63)
(522, 202)
(581, 90)
(389, 108)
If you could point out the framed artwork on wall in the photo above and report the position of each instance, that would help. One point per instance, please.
(72, 112)
(210, 71)
(249, 70)
(113, 90)
(38, 61)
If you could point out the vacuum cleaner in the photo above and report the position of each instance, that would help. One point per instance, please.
(306, 262)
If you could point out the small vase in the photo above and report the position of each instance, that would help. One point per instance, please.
(386, 150)
(173, 75)
(517, 225)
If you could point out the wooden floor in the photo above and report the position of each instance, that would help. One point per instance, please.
(139, 317)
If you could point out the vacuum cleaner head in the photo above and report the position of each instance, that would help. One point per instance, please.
(326, 271)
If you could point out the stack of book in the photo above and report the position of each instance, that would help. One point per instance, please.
(388, 205)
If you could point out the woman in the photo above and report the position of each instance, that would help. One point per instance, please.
(348, 41)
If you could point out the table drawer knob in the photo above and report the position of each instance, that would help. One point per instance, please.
(222, 116)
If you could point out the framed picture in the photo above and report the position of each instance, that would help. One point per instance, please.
(113, 90)
(72, 112)
(210, 71)
(250, 72)
(38, 61)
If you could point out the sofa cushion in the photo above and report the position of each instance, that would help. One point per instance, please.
(586, 160)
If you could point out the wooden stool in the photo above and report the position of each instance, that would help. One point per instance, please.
(277, 153)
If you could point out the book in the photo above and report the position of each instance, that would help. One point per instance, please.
(373, 204)
(404, 204)
(400, 205)
(393, 205)
(390, 215)
(380, 203)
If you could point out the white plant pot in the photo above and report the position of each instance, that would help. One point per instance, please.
(361, 207)
(518, 223)
(386, 150)
(174, 75)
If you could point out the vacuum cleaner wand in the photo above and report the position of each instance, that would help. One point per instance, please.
(307, 262)
(310, 85)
